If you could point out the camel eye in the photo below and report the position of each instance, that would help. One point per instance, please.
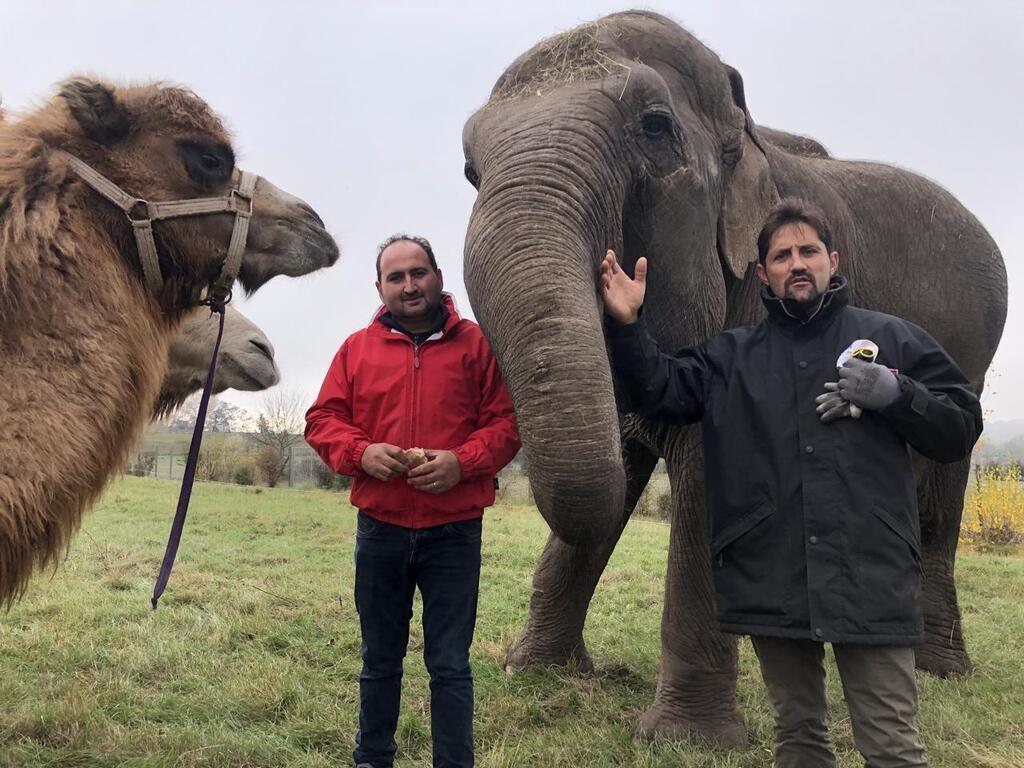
(207, 163)
(656, 125)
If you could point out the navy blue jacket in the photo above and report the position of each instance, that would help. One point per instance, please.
(814, 527)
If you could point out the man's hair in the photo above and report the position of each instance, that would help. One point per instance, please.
(792, 210)
(422, 242)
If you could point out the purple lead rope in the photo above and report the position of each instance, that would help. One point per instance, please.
(190, 466)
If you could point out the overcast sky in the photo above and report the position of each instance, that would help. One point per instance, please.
(358, 108)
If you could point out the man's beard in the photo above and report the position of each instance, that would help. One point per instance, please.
(429, 310)
(810, 299)
(810, 303)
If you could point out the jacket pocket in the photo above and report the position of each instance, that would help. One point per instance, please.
(883, 558)
(720, 539)
(750, 568)
(908, 537)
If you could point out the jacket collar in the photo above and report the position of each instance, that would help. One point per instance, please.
(787, 313)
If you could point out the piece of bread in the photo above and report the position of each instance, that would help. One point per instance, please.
(414, 457)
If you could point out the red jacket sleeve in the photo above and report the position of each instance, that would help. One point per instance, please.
(329, 428)
(495, 441)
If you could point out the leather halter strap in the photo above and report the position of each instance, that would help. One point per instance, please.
(142, 214)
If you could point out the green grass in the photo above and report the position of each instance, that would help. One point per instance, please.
(252, 658)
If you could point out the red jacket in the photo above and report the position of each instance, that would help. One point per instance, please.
(448, 394)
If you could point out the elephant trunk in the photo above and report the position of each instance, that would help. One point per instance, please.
(531, 265)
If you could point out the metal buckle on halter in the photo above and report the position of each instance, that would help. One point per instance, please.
(136, 204)
(236, 195)
(216, 304)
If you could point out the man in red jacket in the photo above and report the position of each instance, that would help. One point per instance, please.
(419, 375)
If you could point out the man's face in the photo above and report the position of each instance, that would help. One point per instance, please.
(409, 287)
(797, 265)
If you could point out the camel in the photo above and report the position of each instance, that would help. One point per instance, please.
(86, 317)
(245, 362)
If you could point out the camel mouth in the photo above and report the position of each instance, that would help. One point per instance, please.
(251, 378)
(299, 252)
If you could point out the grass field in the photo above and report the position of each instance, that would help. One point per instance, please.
(252, 658)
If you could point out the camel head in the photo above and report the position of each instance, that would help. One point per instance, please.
(245, 362)
(159, 143)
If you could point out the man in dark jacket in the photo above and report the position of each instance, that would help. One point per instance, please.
(807, 420)
(419, 375)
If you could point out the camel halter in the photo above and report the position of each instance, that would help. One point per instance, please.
(218, 294)
(238, 202)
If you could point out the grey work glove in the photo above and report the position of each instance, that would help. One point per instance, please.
(832, 406)
(868, 385)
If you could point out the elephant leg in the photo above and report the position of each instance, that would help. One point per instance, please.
(941, 503)
(696, 693)
(564, 583)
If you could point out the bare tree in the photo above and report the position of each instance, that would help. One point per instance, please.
(279, 425)
(221, 416)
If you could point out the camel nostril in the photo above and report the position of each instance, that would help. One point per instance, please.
(263, 347)
(308, 210)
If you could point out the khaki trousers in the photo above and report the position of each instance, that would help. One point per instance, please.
(880, 690)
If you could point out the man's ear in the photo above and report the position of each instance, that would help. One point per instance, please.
(379, 291)
(96, 109)
(833, 260)
(761, 274)
(440, 279)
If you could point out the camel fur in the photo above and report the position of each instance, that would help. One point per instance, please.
(83, 345)
(245, 361)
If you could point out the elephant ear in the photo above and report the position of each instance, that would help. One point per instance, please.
(750, 192)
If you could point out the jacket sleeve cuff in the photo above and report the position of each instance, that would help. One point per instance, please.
(356, 456)
(913, 397)
(616, 330)
(462, 455)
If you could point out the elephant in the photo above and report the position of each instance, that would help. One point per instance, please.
(628, 133)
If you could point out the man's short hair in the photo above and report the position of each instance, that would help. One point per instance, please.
(422, 242)
(792, 210)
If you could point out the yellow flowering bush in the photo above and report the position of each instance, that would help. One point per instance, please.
(994, 507)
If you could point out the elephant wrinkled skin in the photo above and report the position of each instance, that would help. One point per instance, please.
(628, 133)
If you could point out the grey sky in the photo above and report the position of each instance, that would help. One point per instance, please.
(358, 108)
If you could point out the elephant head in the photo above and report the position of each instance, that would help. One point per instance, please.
(625, 133)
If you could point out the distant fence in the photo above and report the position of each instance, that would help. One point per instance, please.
(225, 460)
(234, 458)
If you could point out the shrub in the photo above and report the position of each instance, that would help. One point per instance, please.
(218, 460)
(328, 479)
(323, 475)
(665, 505)
(244, 474)
(994, 507)
(271, 464)
(143, 466)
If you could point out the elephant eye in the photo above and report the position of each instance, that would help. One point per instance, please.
(471, 175)
(656, 124)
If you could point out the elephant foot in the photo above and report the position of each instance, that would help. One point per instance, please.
(660, 722)
(939, 658)
(528, 650)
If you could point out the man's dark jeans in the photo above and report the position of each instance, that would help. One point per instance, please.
(391, 562)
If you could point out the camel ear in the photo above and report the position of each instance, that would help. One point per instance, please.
(750, 192)
(96, 109)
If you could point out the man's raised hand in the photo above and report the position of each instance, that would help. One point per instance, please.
(622, 295)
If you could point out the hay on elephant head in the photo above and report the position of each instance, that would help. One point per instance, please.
(572, 56)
